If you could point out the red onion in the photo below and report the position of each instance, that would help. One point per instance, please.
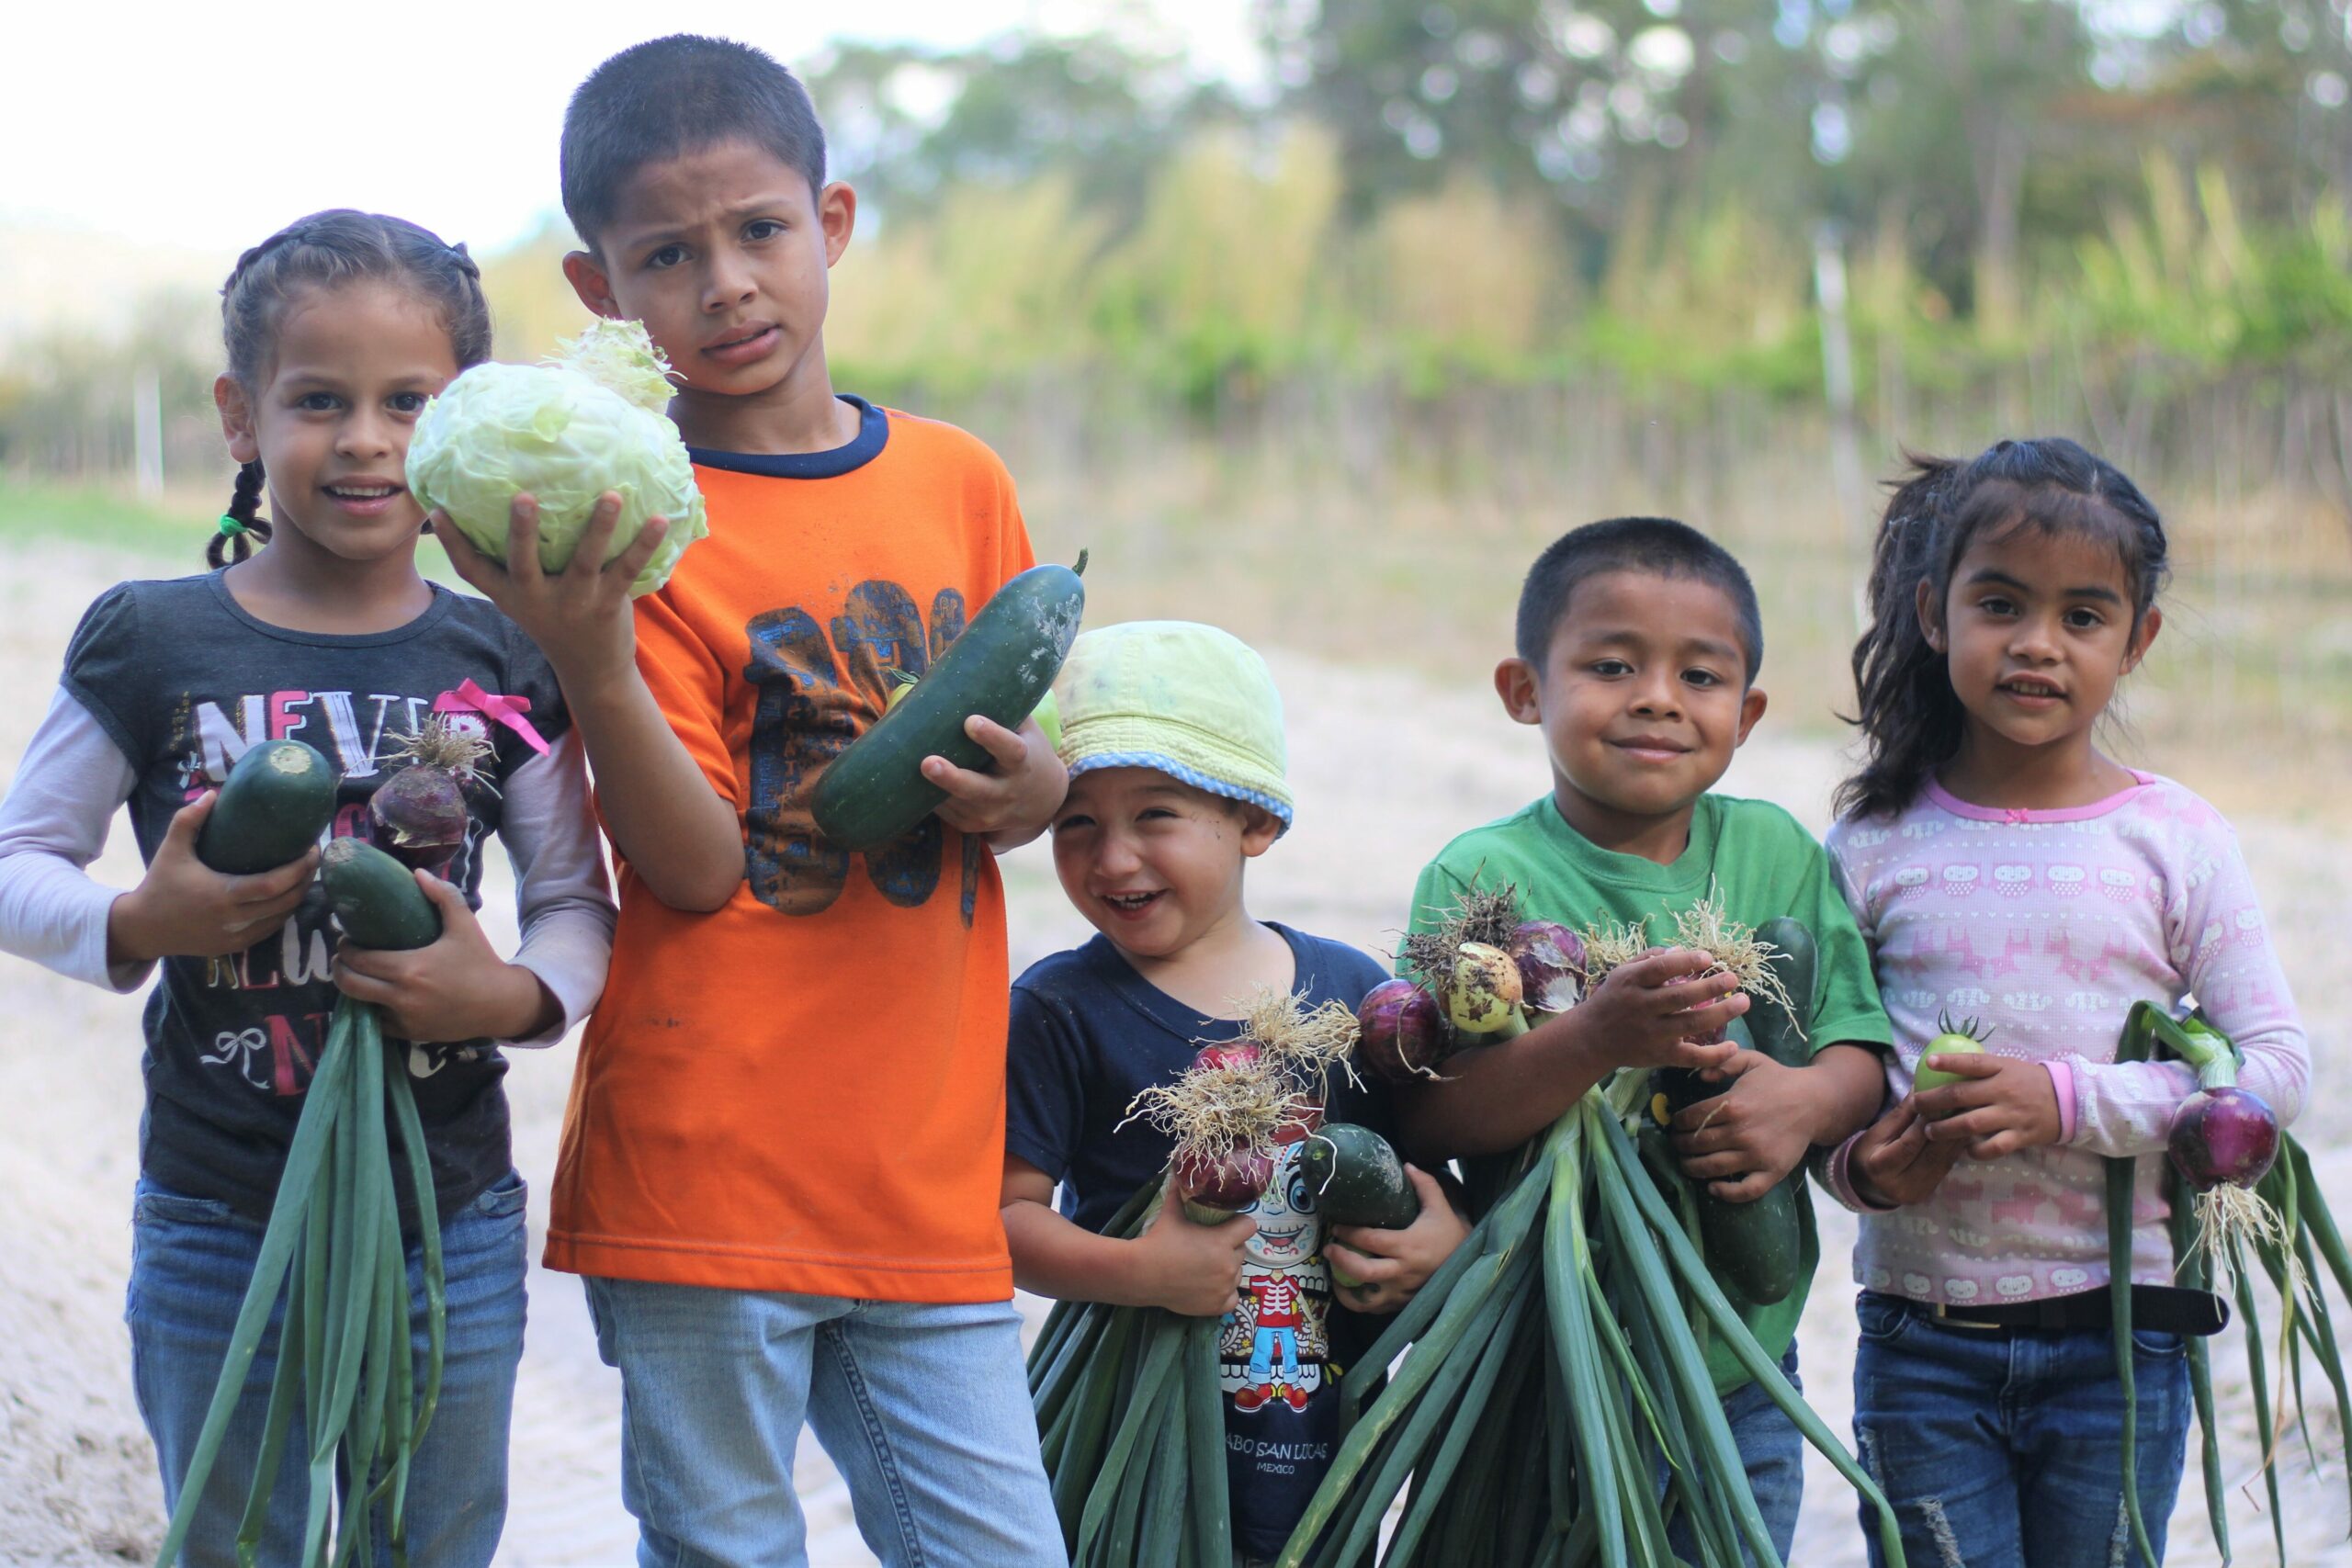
(1215, 1188)
(1551, 964)
(1230, 1054)
(2223, 1135)
(1401, 1031)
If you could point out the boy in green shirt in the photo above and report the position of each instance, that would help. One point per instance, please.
(1638, 643)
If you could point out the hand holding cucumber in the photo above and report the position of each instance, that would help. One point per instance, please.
(1191, 1268)
(1016, 797)
(1378, 1270)
(457, 988)
(1743, 1142)
(183, 908)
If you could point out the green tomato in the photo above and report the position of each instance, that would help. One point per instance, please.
(1928, 1078)
(1049, 719)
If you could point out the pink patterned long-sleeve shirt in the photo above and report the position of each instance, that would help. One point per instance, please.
(2048, 926)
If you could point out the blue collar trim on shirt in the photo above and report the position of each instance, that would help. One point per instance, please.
(873, 435)
(1165, 1010)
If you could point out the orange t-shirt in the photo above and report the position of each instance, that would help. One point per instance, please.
(804, 1090)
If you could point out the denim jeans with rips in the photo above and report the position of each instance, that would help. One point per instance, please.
(2002, 1448)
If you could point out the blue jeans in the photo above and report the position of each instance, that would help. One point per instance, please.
(2003, 1450)
(922, 1408)
(190, 1262)
(1772, 1451)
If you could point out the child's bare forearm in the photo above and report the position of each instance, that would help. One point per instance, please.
(1054, 1257)
(676, 831)
(1493, 1098)
(1848, 1086)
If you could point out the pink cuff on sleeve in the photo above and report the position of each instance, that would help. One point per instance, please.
(1841, 1180)
(2062, 1078)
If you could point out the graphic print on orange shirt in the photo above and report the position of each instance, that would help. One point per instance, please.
(812, 690)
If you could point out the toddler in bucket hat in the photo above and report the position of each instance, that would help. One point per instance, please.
(1173, 734)
(1185, 699)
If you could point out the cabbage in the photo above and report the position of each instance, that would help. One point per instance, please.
(567, 431)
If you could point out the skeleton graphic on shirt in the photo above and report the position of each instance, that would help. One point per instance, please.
(1276, 1342)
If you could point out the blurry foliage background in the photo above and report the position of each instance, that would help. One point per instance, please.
(1327, 362)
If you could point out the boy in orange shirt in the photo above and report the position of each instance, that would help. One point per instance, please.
(781, 1161)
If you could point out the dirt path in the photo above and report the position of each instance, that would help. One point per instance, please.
(1386, 773)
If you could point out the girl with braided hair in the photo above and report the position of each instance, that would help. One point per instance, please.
(314, 623)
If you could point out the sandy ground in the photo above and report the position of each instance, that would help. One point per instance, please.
(1385, 772)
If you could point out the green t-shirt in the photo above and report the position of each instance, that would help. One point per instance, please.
(1762, 864)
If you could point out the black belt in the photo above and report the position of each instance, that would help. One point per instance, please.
(2165, 1308)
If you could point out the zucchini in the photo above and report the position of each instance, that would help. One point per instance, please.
(1757, 1250)
(1001, 667)
(376, 898)
(280, 796)
(1357, 1178)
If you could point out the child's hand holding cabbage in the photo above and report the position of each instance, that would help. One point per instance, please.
(567, 431)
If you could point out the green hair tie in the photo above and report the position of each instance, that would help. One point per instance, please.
(231, 526)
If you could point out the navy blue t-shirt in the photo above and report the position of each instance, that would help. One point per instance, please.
(1089, 1035)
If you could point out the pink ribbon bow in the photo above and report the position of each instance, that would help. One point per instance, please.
(508, 711)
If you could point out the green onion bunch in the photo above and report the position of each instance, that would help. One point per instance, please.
(1127, 1400)
(333, 1250)
(1546, 1369)
(1132, 1428)
(2300, 1236)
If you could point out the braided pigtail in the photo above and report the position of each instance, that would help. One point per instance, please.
(241, 524)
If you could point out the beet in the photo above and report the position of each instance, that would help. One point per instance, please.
(419, 816)
(1551, 964)
(1401, 1031)
(2223, 1135)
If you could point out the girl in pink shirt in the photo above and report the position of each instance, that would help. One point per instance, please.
(2005, 870)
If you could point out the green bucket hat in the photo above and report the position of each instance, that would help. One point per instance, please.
(1185, 699)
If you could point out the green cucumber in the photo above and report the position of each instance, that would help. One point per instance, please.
(1357, 1178)
(376, 898)
(1757, 1250)
(279, 799)
(1001, 667)
(1049, 713)
(1778, 1034)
